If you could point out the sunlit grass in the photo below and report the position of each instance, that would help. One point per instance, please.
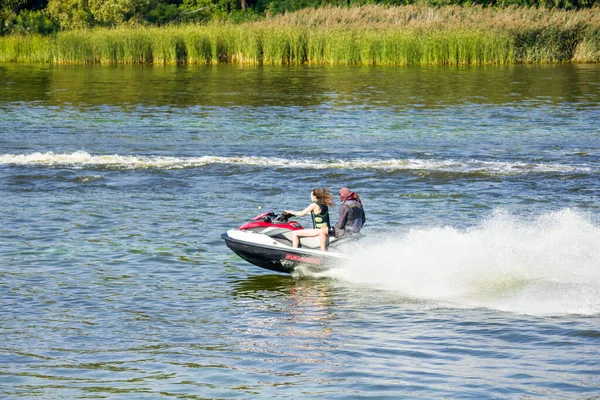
(368, 35)
(32, 49)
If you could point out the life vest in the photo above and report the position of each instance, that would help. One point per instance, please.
(355, 216)
(322, 219)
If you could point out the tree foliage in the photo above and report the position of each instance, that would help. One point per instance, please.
(77, 14)
(70, 14)
(118, 12)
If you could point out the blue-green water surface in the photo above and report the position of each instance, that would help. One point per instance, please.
(479, 275)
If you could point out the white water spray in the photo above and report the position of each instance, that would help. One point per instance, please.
(548, 265)
(82, 159)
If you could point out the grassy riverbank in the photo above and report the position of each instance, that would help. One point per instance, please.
(369, 35)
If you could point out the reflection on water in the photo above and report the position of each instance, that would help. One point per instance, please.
(303, 306)
(261, 286)
(299, 86)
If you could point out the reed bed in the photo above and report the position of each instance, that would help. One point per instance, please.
(368, 35)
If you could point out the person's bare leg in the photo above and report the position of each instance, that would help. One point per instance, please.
(296, 235)
(323, 241)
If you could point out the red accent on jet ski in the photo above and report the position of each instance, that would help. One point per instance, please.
(302, 259)
(261, 216)
(265, 220)
(292, 225)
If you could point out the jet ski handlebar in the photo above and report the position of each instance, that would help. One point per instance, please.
(283, 217)
(271, 216)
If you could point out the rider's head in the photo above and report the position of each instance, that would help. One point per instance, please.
(344, 193)
(323, 196)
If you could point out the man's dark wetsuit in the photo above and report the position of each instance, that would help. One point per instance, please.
(352, 218)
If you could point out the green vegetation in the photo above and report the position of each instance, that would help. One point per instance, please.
(368, 35)
(47, 16)
(364, 35)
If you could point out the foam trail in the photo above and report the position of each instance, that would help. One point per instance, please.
(82, 159)
(549, 265)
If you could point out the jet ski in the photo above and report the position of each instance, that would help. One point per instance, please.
(266, 241)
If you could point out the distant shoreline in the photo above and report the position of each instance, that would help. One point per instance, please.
(368, 35)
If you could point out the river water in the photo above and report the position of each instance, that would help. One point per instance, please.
(479, 276)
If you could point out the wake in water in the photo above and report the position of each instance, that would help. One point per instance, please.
(549, 265)
(82, 159)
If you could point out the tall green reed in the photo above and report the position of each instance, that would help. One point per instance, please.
(30, 48)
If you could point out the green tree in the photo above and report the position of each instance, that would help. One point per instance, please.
(117, 12)
(163, 12)
(9, 8)
(71, 14)
(8, 11)
(201, 10)
(11, 5)
(76, 14)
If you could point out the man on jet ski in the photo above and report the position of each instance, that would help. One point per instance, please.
(352, 215)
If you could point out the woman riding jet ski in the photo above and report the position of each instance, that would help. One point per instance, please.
(321, 199)
(268, 242)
